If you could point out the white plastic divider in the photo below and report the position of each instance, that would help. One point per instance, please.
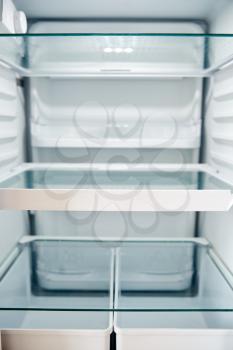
(35, 73)
(102, 198)
(57, 339)
(95, 200)
(199, 240)
(179, 337)
(192, 73)
(39, 141)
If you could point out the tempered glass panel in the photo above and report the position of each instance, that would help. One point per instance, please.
(58, 275)
(55, 319)
(150, 276)
(71, 179)
(171, 277)
(179, 50)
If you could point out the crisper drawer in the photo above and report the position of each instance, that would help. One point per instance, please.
(150, 306)
(58, 330)
(174, 330)
(62, 267)
(63, 305)
(156, 268)
(195, 313)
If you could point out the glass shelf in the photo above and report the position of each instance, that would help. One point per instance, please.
(115, 189)
(112, 179)
(58, 275)
(175, 54)
(183, 276)
(73, 275)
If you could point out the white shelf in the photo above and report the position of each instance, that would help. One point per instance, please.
(153, 74)
(118, 74)
(133, 188)
(75, 73)
(112, 143)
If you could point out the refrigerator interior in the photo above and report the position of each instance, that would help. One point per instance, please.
(116, 139)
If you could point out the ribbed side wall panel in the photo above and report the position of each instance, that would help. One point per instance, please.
(13, 224)
(219, 122)
(11, 121)
(217, 227)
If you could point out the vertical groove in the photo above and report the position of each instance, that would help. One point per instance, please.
(202, 140)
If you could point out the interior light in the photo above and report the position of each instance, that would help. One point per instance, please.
(108, 49)
(118, 50)
(128, 50)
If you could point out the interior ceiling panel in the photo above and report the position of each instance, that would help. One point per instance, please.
(121, 8)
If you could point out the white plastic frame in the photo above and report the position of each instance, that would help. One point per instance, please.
(170, 74)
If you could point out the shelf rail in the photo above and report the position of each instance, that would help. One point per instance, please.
(192, 73)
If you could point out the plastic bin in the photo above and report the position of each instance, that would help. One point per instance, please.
(61, 306)
(195, 314)
(58, 330)
(174, 331)
(156, 267)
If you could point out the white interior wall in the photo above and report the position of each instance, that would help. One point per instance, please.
(203, 9)
(78, 120)
(218, 227)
